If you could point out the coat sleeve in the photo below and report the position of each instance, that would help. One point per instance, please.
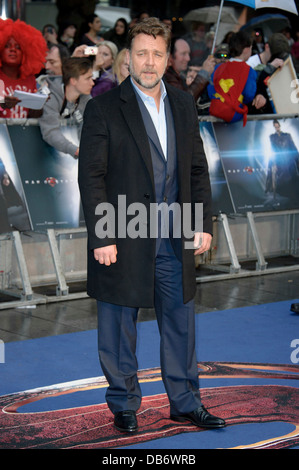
(93, 162)
(51, 129)
(200, 180)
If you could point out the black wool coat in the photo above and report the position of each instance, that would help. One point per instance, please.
(115, 160)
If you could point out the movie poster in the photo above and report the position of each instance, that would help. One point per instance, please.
(49, 178)
(252, 168)
(13, 209)
(261, 163)
(221, 201)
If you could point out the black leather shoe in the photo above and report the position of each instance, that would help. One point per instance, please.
(200, 417)
(126, 421)
(295, 308)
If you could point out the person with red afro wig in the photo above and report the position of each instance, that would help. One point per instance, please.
(22, 56)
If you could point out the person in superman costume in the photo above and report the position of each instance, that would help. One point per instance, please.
(234, 83)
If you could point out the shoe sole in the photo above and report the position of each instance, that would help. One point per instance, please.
(126, 430)
(186, 420)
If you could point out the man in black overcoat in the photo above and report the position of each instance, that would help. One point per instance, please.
(140, 149)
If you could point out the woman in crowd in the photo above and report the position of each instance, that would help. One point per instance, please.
(22, 56)
(67, 36)
(121, 66)
(103, 75)
(118, 34)
(92, 35)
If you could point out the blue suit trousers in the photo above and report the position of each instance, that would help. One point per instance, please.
(117, 336)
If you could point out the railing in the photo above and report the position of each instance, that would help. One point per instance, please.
(52, 248)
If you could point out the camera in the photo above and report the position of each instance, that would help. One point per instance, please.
(91, 50)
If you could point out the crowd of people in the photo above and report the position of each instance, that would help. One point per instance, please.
(228, 82)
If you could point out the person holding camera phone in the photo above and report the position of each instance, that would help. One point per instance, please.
(178, 64)
(50, 34)
(103, 75)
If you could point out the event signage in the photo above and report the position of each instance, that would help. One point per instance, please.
(252, 169)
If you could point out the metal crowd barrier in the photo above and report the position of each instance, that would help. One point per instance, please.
(51, 254)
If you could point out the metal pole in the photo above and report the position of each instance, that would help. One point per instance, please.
(13, 9)
(217, 27)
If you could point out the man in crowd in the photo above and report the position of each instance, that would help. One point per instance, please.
(67, 99)
(56, 55)
(178, 64)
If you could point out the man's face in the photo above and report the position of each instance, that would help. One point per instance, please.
(53, 62)
(200, 31)
(11, 54)
(181, 56)
(148, 59)
(84, 83)
(96, 24)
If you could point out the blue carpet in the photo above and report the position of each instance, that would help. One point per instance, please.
(253, 335)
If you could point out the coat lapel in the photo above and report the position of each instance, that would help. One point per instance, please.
(133, 117)
(150, 128)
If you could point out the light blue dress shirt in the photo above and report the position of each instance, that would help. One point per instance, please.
(158, 117)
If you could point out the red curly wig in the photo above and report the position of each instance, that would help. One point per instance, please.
(31, 41)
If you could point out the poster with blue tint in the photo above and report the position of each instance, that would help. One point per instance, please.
(13, 209)
(49, 178)
(261, 163)
(221, 201)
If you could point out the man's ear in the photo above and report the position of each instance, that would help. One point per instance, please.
(170, 60)
(128, 56)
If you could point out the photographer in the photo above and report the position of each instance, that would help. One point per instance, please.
(178, 63)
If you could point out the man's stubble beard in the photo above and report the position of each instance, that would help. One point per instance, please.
(139, 80)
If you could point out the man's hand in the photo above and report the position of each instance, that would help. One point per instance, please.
(10, 102)
(209, 64)
(259, 101)
(106, 255)
(202, 242)
(277, 63)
